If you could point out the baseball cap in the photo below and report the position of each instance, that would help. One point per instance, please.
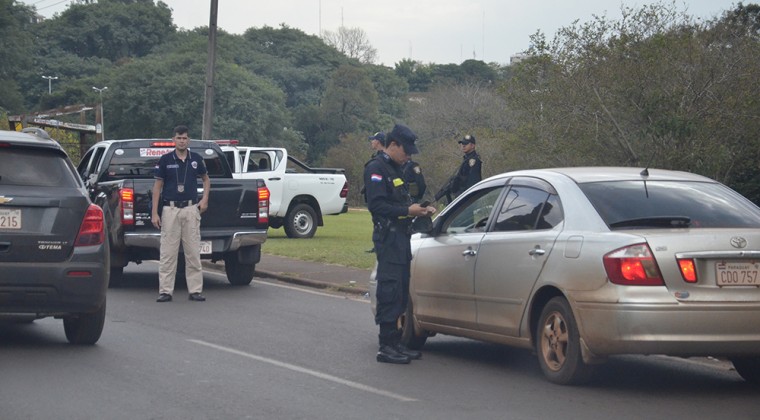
(380, 136)
(405, 136)
(467, 140)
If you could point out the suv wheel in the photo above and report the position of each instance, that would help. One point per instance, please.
(85, 328)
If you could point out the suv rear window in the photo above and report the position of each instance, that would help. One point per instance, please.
(36, 167)
(693, 204)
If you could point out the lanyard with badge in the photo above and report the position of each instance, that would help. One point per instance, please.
(181, 187)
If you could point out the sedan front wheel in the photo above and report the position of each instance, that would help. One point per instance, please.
(558, 345)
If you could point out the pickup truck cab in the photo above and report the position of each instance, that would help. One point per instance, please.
(300, 196)
(119, 178)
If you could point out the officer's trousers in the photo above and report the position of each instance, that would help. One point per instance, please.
(180, 225)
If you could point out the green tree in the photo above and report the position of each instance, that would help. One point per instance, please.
(17, 39)
(350, 103)
(111, 29)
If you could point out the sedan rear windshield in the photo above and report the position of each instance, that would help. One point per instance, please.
(36, 167)
(668, 204)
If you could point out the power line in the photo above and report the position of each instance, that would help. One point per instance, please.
(54, 4)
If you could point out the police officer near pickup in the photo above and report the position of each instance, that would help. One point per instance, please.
(175, 190)
(392, 212)
(414, 180)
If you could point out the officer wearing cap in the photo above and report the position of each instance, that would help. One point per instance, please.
(392, 211)
(469, 171)
(377, 142)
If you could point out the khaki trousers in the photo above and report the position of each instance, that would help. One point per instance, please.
(180, 225)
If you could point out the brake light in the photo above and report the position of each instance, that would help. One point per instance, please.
(688, 272)
(127, 196)
(227, 142)
(263, 194)
(92, 230)
(162, 144)
(344, 190)
(633, 266)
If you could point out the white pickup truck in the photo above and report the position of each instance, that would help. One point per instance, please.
(299, 195)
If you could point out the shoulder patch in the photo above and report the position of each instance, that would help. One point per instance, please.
(417, 170)
(472, 162)
(375, 177)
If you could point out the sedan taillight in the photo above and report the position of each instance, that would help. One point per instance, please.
(92, 231)
(633, 265)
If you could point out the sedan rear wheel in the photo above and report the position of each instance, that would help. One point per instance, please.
(748, 368)
(558, 345)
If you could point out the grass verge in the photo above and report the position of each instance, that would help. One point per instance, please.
(344, 240)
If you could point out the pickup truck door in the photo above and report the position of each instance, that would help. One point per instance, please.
(268, 165)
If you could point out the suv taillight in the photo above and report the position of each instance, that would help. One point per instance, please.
(263, 194)
(633, 265)
(344, 190)
(92, 231)
(127, 196)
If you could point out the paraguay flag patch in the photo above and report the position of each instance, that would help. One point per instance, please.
(376, 177)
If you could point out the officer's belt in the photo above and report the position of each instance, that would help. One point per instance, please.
(179, 204)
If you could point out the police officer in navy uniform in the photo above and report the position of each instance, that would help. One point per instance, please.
(176, 191)
(469, 171)
(392, 211)
(414, 180)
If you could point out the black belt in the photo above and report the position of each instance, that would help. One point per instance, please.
(179, 204)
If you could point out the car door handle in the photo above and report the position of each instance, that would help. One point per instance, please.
(274, 179)
(469, 252)
(536, 251)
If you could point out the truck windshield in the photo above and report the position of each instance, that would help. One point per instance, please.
(139, 162)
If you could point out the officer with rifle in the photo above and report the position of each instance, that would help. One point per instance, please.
(468, 173)
(392, 212)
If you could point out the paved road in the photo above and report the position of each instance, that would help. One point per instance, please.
(278, 351)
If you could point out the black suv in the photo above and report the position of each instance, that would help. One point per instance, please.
(54, 258)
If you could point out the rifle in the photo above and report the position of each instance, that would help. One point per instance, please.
(448, 189)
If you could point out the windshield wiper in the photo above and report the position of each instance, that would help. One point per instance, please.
(653, 222)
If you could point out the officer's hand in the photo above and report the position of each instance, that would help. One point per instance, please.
(417, 210)
(156, 220)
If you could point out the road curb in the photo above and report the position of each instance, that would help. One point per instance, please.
(357, 290)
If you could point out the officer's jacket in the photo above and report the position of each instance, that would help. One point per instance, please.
(469, 172)
(387, 195)
(414, 179)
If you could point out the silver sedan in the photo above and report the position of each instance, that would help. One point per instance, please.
(583, 263)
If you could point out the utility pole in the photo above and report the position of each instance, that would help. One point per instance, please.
(208, 101)
(102, 131)
(50, 82)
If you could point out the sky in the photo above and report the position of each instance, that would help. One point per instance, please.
(430, 31)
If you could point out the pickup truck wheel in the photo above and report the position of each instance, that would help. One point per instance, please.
(238, 274)
(116, 278)
(85, 328)
(301, 222)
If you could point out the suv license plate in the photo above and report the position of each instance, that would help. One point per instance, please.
(737, 273)
(10, 219)
(205, 247)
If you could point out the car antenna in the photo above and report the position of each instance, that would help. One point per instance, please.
(645, 172)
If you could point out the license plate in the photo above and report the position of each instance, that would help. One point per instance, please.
(205, 247)
(737, 273)
(10, 219)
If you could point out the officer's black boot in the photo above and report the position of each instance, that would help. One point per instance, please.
(387, 352)
(406, 351)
